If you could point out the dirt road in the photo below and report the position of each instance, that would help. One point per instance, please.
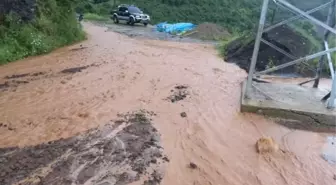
(122, 110)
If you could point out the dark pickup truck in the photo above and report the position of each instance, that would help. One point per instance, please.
(131, 14)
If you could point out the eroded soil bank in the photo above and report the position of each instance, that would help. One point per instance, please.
(74, 116)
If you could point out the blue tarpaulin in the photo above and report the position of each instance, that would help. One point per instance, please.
(174, 28)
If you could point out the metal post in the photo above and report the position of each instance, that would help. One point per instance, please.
(309, 17)
(306, 58)
(256, 47)
(286, 54)
(296, 17)
(331, 102)
(325, 45)
(331, 66)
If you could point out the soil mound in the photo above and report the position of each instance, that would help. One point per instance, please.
(209, 31)
(240, 51)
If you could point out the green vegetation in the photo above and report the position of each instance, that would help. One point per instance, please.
(54, 25)
(244, 39)
(95, 17)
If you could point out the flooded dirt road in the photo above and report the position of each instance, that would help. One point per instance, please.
(122, 110)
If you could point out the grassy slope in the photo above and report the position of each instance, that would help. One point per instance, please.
(55, 25)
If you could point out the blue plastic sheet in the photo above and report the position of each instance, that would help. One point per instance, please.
(174, 28)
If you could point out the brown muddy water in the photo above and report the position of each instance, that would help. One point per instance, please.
(122, 110)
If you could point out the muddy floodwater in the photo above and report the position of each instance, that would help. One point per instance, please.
(119, 110)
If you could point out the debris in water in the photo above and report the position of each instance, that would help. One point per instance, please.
(24, 75)
(16, 76)
(178, 95)
(20, 82)
(80, 48)
(193, 165)
(165, 158)
(183, 114)
(179, 87)
(4, 85)
(74, 69)
(266, 145)
(38, 73)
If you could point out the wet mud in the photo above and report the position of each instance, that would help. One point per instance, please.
(118, 153)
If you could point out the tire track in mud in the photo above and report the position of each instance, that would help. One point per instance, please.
(118, 153)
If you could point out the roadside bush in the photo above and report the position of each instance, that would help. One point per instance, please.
(55, 25)
(95, 17)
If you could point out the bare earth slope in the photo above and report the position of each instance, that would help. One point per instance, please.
(46, 101)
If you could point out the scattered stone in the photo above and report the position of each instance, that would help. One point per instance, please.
(335, 177)
(193, 165)
(183, 114)
(63, 82)
(154, 161)
(266, 145)
(179, 87)
(165, 158)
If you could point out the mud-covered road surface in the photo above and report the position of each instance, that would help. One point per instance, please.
(119, 110)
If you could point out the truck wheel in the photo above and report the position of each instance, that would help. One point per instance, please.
(115, 19)
(132, 21)
(145, 24)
